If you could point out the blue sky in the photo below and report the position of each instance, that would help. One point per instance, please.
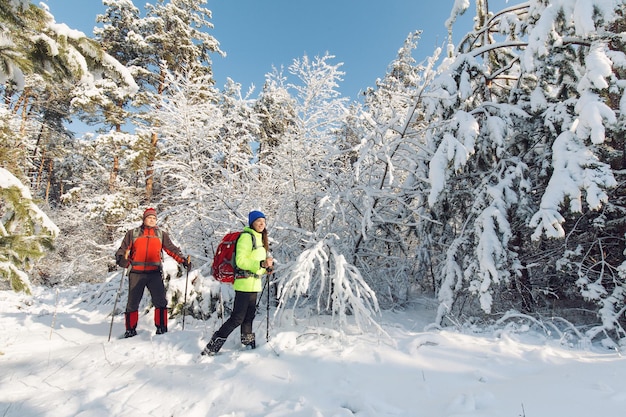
(364, 35)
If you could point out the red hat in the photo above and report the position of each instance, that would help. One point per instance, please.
(149, 212)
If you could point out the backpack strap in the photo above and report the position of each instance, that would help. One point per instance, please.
(254, 246)
(138, 231)
(242, 273)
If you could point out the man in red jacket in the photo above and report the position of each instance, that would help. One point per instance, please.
(142, 250)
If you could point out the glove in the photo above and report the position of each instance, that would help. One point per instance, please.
(187, 264)
(123, 262)
(268, 268)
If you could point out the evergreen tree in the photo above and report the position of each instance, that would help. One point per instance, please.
(276, 109)
(521, 141)
(44, 65)
(26, 233)
(176, 40)
(120, 36)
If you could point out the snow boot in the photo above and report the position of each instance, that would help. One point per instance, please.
(214, 345)
(132, 317)
(160, 320)
(248, 341)
(130, 333)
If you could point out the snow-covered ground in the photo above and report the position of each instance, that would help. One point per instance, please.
(55, 360)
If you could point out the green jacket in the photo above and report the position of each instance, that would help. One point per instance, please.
(249, 259)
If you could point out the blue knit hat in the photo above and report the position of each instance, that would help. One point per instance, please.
(253, 216)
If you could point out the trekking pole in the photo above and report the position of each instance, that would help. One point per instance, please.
(258, 302)
(117, 296)
(186, 281)
(221, 304)
(269, 289)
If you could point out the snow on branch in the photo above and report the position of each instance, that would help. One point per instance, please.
(455, 149)
(452, 280)
(46, 226)
(576, 169)
(78, 48)
(337, 286)
(493, 232)
(25, 231)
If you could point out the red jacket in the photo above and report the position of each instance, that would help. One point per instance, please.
(145, 245)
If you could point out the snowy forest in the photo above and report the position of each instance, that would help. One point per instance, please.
(488, 177)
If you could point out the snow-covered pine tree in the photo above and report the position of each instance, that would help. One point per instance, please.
(523, 139)
(586, 57)
(175, 39)
(46, 64)
(49, 64)
(26, 232)
(275, 108)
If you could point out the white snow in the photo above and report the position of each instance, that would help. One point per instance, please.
(56, 361)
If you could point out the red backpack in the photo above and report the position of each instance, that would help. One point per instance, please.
(224, 268)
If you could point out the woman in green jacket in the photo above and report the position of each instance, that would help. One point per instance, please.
(253, 261)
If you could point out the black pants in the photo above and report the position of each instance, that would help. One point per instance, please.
(138, 281)
(244, 310)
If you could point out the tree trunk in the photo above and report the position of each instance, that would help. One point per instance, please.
(150, 167)
(153, 143)
(115, 169)
(49, 182)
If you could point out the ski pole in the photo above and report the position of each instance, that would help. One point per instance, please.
(186, 281)
(117, 296)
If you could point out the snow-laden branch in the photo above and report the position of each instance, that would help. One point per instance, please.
(337, 286)
(25, 231)
(453, 151)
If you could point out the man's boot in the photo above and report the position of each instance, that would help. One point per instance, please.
(160, 320)
(248, 340)
(214, 345)
(132, 317)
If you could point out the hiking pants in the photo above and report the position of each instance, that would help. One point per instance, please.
(244, 310)
(138, 281)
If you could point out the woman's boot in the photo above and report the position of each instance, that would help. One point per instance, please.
(214, 345)
(248, 340)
